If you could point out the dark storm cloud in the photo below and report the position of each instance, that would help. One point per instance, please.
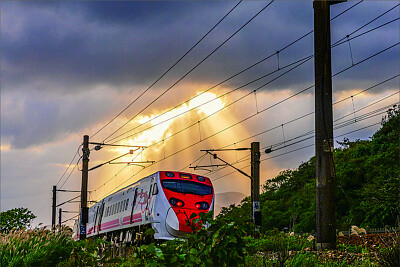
(70, 47)
(73, 45)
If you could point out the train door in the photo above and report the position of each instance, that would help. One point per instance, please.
(99, 217)
(153, 191)
(133, 204)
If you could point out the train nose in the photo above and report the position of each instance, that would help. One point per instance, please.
(176, 221)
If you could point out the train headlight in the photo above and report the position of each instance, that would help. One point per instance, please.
(176, 202)
(202, 205)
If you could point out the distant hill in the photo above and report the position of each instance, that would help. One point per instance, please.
(227, 198)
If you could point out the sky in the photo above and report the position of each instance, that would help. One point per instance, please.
(68, 68)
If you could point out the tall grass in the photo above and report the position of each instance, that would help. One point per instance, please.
(38, 247)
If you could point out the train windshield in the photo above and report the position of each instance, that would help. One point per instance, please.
(187, 187)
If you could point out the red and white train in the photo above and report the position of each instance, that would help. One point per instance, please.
(163, 201)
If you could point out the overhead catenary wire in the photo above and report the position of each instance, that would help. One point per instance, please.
(366, 24)
(361, 34)
(297, 149)
(69, 175)
(244, 70)
(177, 152)
(278, 146)
(192, 69)
(70, 219)
(69, 165)
(259, 78)
(188, 52)
(168, 70)
(116, 174)
(227, 127)
(298, 62)
(239, 99)
(65, 202)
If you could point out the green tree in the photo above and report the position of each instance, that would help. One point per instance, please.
(17, 218)
(367, 186)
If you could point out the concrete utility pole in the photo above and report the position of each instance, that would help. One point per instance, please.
(325, 183)
(59, 216)
(254, 177)
(53, 208)
(255, 184)
(85, 172)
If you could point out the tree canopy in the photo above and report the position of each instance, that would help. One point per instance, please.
(367, 186)
(17, 218)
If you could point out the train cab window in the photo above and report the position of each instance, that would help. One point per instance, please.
(155, 189)
(187, 187)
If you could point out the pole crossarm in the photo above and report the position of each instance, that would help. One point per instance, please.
(69, 191)
(227, 163)
(133, 162)
(67, 211)
(226, 149)
(207, 166)
(103, 144)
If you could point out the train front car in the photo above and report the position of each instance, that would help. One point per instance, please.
(185, 194)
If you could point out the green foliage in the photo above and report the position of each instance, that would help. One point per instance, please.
(367, 186)
(17, 219)
(41, 247)
(302, 260)
(38, 247)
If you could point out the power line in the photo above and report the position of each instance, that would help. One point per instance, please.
(282, 49)
(367, 89)
(341, 13)
(260, 61)
(361, 34)
(306, 59)
(365, 59)
(76, 153)
(261, 77)
(255, 64)
(229, 126)
(297, 149)
(70, 218)
(65, 202)
(245, 118)
(299, 62)
(170, 68)
(369, 22)
(312, 131)
(193, 68)
(115, 175)
(75, 166)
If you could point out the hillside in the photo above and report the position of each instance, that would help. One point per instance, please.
(367, 186)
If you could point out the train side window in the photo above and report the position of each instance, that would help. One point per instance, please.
(155, 189)
(126, 204)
